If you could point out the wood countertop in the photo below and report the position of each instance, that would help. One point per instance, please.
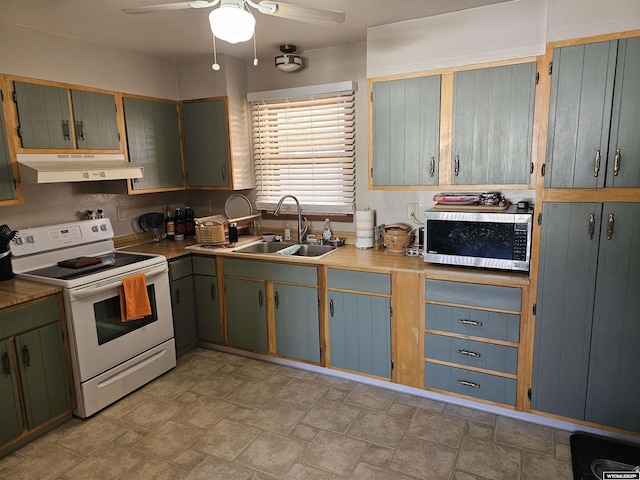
(347, 257)
(15, 291)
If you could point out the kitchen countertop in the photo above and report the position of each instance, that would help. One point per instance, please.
(345, 257)
(16, 291)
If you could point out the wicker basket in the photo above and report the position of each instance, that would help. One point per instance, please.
(214, 230)
(211, 230)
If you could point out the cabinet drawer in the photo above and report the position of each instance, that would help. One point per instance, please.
(488, 356)
(278, 272)
(24, 318)
(474, 384)
(476, 323)
(204, 265)
(360, 281)
(475, 295)
(180, 268)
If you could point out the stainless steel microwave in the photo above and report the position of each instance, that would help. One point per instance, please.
(496, 240)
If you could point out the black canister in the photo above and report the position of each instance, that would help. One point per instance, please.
(6, 272)
(233, 233)
(420, 236)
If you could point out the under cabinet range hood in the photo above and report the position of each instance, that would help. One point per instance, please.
(59, 168)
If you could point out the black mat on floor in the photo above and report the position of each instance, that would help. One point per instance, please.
(587, 448)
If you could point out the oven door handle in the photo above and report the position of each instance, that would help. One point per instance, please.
(91, 291)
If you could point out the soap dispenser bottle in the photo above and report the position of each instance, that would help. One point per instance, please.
(287, 233)
(326, 231)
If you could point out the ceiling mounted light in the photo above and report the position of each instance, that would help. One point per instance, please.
(288, 62)
(231, 22)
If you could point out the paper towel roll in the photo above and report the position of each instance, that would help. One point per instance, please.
(364, 228)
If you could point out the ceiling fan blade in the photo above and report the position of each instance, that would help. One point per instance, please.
(302, 14)
(171, 6)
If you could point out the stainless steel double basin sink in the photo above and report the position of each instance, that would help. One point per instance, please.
(285, 248)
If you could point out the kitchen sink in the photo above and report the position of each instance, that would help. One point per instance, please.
(275, 247)
(264, 247)
(313, 250)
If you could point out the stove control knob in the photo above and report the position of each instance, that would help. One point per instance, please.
(30, 239)
(103, 227)
(18, 240)
(94, 228)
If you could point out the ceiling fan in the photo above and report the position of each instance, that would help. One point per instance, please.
(278, 9)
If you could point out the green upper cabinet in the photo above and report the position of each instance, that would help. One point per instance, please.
(95, 120)
(594, 116)
(206, 139)
(153, 140)
(406, 131)
(493, 125)
(7, 184)
(46, 120)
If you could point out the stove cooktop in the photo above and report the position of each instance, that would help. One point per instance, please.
(107, 262)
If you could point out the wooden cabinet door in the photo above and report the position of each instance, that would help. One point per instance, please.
(566, 288)
(43, 374)
(10, 415)
(94, 115)
(153, 140)
(7, 184)
(44, 116)
(208, 308)
(360, 333)
(623, 164)
(614, 377)
(493, 125)
(247, 314)
(184, 313)
(406, 131)
(206, 141)
(579, 115)
(296, 322)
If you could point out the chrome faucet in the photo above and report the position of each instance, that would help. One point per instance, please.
(302, 230)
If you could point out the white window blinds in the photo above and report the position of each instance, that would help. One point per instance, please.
(305, 147)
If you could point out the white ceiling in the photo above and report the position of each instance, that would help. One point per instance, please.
(183, 34)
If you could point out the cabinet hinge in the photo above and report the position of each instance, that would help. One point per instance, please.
(550, 68)
(543, 169)
(535, 308)
(531, 168)
(529, 394)
(537, 78)
(320, 351)
(540, 218)
(319, 305)
(371, 172)
(371, 97)
(14, 96)
(391, 311)
(392, 365)
(19, 132)
(1, 96)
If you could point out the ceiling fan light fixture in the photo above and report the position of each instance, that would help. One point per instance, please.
(288, 61)
(232, 23)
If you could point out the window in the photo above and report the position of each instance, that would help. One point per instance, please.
(304, 145)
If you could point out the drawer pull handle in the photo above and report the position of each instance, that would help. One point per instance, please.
(467, 383)
(6, 366)
(432, 166)
(456, 165)
(276, 300)
(469, 353)
(331, 311)
(26, 357)
(592, 226)
(473, 323)
(596, 164)
(616, 164)
(260, 298)
(610, 223)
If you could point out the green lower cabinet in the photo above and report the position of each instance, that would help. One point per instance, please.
(360, 333)
(247, 314)
(10, 417)
(296, 319)
(43, 374)
(208, 308)
(184, 314)
(480, 385)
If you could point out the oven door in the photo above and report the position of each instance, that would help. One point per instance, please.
(100, 340)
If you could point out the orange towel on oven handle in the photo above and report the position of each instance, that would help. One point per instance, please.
(134, 298)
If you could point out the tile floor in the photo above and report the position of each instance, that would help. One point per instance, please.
(218, 416)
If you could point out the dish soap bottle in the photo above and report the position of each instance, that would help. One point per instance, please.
(326, 231)
(287, 233)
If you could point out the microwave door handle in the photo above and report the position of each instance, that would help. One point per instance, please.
(90, 292)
